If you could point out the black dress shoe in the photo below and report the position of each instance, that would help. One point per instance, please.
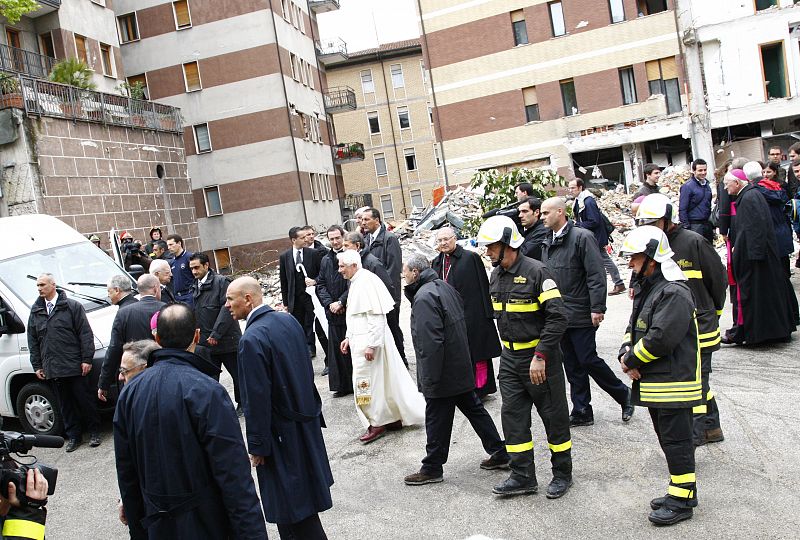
(94, 440)
(558, 487)
(627, 407)
(669, 516)
(581, 418)
(72, 445)
(342, 394)
(513, 486)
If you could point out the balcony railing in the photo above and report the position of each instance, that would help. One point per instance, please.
(331, 50)
(348, 152)
(339, 98)
(44, 98)
(323, 6)
(25, 62)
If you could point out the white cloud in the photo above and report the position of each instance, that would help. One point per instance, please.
(363, 24)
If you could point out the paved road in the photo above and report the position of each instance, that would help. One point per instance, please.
(747, 485)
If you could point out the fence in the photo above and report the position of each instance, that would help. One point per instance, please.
(25, 62)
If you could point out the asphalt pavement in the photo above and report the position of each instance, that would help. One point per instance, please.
(747, 485)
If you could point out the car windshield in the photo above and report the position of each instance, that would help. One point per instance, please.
(82, 268)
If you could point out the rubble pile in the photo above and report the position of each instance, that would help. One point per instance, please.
(270, 282)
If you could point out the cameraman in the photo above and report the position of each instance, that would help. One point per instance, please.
(132, 252)
(18, 521)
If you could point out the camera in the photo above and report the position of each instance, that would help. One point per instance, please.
(132, 246)
(12, 470)
(512, 211)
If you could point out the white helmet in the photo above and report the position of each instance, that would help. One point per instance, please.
(653, 242)
(654, 207)
(500, 229)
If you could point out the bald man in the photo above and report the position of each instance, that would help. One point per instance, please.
(283, 415)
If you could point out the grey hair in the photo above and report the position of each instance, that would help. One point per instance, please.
(739, 163)
(355, 237)
(49, 276)
(417, 262)
(140, 350)
(349, 257)
(123, 283)
(158, 265)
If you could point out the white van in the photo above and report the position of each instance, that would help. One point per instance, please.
(30, 246)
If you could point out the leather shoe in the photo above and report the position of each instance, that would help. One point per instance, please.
(581, 418)
(72, 445)
(558, 487)
(420, 479)
(324, 372)
(710, 436)
(342, 394)
(498, 460)
(628, 408)
(665, 515)
(394, 426)
(94, 440)
(514, 486)
(618, 289)
(372, 434)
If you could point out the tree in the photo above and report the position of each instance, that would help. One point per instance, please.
(13, 10)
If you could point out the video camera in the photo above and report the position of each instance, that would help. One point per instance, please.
(12, 470)
(512, 211)
(131, 246)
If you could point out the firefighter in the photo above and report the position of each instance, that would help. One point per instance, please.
(706, 277)
(531, 321)
(660, 353)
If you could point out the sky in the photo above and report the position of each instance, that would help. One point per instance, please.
(356, 22)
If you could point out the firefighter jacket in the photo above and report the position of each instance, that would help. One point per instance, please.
(707, 279)
(528, 307)
(661, 342)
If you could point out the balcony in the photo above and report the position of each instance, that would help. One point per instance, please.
(331, 51)
(348, 153)
(339, 98)
(323, 6)
(25, 62)
(44, 98)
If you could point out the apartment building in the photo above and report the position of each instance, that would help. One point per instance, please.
(392, 115)
(83, 29)
(258, 146)
(592, 88)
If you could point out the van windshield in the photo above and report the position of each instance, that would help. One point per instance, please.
(81, 263)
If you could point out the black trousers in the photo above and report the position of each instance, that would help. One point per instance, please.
(393, 320)
(550, 399)
(703, 228)
(308, 529)
(705, 416)
(303, 311)
(340, 366)
(231, 363)
(581, 362)
(78, 407)
(439, 414)
(323, 339)
(674, 431)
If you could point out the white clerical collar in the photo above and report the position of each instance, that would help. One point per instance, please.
(257, 308)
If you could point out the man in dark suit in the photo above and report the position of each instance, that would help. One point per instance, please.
(355, 241)
(386, 248)
(294, 282)
(283, 415)
(131, 323)
(160, 269)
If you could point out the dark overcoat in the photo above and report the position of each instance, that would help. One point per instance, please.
(61, 342)
(283, 415)
(212, 317)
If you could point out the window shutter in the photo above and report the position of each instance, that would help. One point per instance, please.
(669, 68)
(529, 95)
(182, 16)
(192, 74)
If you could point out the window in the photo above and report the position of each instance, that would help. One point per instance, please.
(557, 19)
(662, 78)
(397, 76)
(765, 4)
(128, 29)
(519, 28)
(411, 159)
(774, 70)
(380, 165)
(303, 71)
(424, 73)
(387, 207)
(105, 56)
(140, 79)
(315, 187)
(223, 259)
(568, 97)
(430, 114)
(531, 104)
(99, 2)
(183, 19)
(285, 8)
(202, 138)
(628, 85)
(649, 7)
(367, 86)
(293, 65)
(191, 75)
(310, 70)
(213, 202)
(47, 47)
(617, 11)
(80, 49)
(437, 156)
(374, 122)
(403, 117)
(416, 198)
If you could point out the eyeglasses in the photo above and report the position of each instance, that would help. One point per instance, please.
(124, 371)
(445, 240)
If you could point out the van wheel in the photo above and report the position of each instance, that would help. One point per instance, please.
(38, 410)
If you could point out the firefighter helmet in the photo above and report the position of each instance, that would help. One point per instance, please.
(500, 229)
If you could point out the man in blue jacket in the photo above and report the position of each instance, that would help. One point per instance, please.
(182, 277)
(694, 209)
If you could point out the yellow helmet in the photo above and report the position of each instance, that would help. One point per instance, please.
(654, 207)
(500, 229)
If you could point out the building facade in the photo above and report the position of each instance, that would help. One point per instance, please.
(393, 116)
(591, 88)
(258, 146)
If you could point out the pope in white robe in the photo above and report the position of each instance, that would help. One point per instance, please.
(386, 397)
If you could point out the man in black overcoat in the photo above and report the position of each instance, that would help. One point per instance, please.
(294, 282)
(283, 414)
(464, 270)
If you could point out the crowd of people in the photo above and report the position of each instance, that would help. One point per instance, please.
(539, 311)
